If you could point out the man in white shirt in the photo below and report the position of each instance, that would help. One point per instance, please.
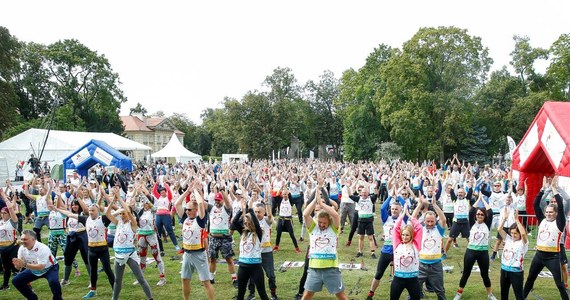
(38, 262)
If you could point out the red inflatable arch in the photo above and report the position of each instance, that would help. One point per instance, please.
(545, 150)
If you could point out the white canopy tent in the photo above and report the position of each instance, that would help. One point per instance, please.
(58, 145)
(175, 149)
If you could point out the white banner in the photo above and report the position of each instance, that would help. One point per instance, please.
(103, 156)
(80, 157)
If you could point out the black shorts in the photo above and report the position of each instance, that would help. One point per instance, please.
(457, 228)
(507, 231)
(365, 228)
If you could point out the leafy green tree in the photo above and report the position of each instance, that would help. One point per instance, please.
(559, 70)
(85, 79)
(9, 68)
(138, 109)
(429, 89)
(523, 58)
(493, 102)
(327, 124)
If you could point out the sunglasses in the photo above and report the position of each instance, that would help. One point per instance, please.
(189, 209)
(480, 215)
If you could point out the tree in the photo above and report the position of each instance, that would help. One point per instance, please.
(559, 70)
(85, 80)
(473, 147)
(429, 88)
(523, 58)
(327, 123)
(9, 57)
(138, 109)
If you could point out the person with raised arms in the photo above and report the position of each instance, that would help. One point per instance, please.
(8, 241)
(194, 235)
(125, 250)
(323, 259)
(480, 221)
(512, 258)
(550, 229)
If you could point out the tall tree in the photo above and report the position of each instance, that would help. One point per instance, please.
(138, 109)
(9, 57)
(559, 70)
(429, 88)
(523, 58)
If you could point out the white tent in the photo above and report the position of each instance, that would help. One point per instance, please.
(58, 145)
(175, 149)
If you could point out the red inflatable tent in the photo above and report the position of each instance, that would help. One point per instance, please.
(545, 150)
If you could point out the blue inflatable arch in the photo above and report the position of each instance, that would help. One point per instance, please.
(92, 153)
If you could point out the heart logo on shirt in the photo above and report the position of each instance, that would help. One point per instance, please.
(188, 233)
(122, 238)
(406, 261)
(144, 222)
(3, 233)
(322, 242)
(478, 236)
(52, 223)
(508, 255)
(286, 210)
(429, 244)
(93, 232)
(248, 247)
(217, 220)
(544, 235)
(461, 208)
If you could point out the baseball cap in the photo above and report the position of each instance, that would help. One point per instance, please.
(239, 192)
(218, 196)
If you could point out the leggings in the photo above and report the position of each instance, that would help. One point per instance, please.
(449, 219)
(383, 263)
(269, 269)
(400, 284)
(305, 270)
(7, 254)
(144, 242)
(286, 224)
(56, 240)
(482, 258)
(276, 203)
(165, 221)
(253, 272)
(552, 262)
(514, 278)
(96, 254)
(298, 202)
(353, 225)
(75, 241)
(136, 269)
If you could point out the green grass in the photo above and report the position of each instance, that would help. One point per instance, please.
(288, 281)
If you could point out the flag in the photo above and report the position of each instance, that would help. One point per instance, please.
(512, 146)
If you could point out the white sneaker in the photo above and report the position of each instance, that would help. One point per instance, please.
(162, 282)
(136, 282)
(491, 297)
(457, 296)
(64, 282)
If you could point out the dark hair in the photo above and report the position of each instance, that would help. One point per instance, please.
(76, 202)
(483, 211)
(514, 226)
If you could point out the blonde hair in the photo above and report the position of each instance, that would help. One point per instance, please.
(408, 228)
(324, 214)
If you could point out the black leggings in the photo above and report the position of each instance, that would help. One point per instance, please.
(353, 225)
(550, 260)
(400, 284)
(255, 273)
(299, 205)
(96, 254)
(305, 270)
(7, 254)
(286, 224)
(514, 278)
(449, 219)
(482, 258)
(75, 241)
(276, 204)
(383, 263)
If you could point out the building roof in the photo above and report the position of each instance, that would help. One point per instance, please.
(147, 124)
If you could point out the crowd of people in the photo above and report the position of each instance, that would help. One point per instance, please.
(134, 213)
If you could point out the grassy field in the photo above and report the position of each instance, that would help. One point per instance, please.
(357, 281)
